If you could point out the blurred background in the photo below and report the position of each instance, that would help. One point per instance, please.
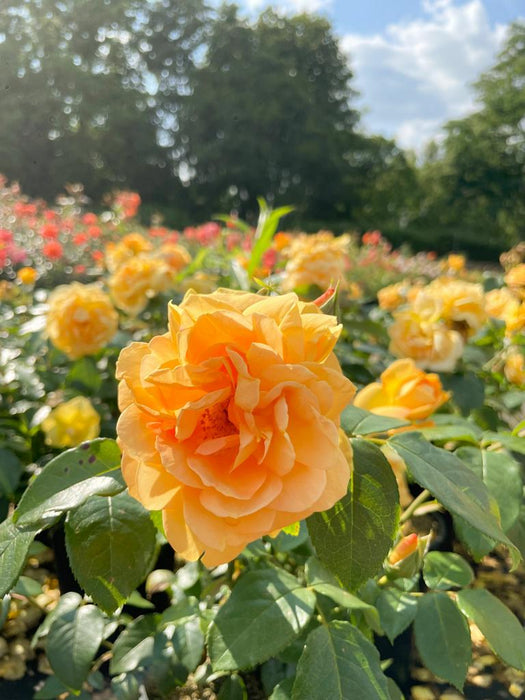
(407, 117)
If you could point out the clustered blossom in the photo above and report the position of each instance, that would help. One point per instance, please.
(230, 420)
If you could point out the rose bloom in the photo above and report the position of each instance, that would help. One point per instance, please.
(515, 278)
(230, 421)
(71, 423)
(81, 319)
(52, 250)
(319, 259)
(500, 303)
(131, 245)
(137, 281)
(392, 296)
(515, 320)
(404, 391)
(455, 262)
(463, 303)
(427, 341)
(515, 368)
(27, 275)
(175, 256)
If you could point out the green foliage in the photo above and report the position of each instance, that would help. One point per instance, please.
(440, 626)
(353, 537)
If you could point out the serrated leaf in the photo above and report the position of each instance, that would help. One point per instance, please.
(14, 547)
(501, 474)
(70, 479)
(111, 547)
(501, 627)
(338, 662)
(397, 611)
(443, 638)
(357, 421)
(353, 537)
(134, 646)
(72, 642)
(265, 612)
(453, 484)
(322, 581)
(445, 570)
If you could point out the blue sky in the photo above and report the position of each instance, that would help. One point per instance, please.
(413, 60)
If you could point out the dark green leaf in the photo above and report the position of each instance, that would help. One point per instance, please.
(10, 472)
(70, 479)
(517, 532)
(500, 626)
(357, 421)
(338, 662)
(14, 546)
(265, 612)
(514, 443)
(443, 638)
(111, 547)
(445, 570)
(468, 391)
(452, 483)
(397, 611)
(353, 538)
(233, 688)
(72, 642)
(52, 689)
(134, 646)
(84, 376)
(322, 581)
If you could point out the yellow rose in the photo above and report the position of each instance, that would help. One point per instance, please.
(27, 275)
(392, 296)
(71, 423)
(137, 281)
(515, 278)
(462, 303)
(456, 262)
(81, 319)
(319, 259)
(230, 421)
(515, 320)
(427, 341)
(404, 391)
(515, 368)
(500, 303)
(128, 247)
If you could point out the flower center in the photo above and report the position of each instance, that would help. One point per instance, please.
(214, 422)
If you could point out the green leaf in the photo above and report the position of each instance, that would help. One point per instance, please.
(501, 627)
(517, 532)
(10, 473)
(186, 642)
(283, 690)
(14, 547)
(233, 688)
(443, 638)
(72, 642)
(445, 570)
(85, 376)
(338, 662)
(501, 474)
(514, 443)
(265, 612)
(353, 537)
(454, 485)
(397, 611)
(322, 581)
(70, 479)
(444, 433)
(266, 227)
(110, 543)
(52, 689)
(393, 689)
(134, 646)
(467, 389)
(357, 421)
(27, 587)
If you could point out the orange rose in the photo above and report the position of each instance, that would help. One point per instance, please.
(319, 258)
(175, 256)
(81, 319)
(392, 296)
(27, 275)
(405, 392)
(230, 421)
(137, 281)
(515, 278)
(128, 247)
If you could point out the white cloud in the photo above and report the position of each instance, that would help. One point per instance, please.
(416, 75)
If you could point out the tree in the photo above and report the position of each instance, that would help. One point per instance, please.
(474, 185)
(269, 114)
